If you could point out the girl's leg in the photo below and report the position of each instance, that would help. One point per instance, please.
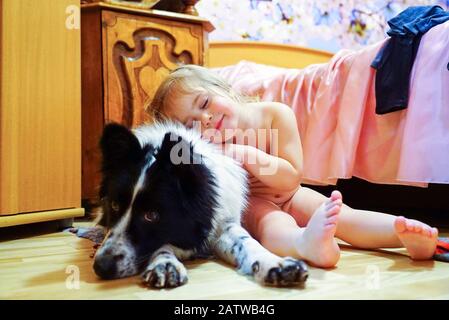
(368, 229)
(277, 231)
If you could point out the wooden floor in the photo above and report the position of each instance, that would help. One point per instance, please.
(45, 264)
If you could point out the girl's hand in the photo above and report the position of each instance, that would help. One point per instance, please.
(240, 153)
(236, 151)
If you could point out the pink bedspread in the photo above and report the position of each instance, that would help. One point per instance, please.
(335, 110)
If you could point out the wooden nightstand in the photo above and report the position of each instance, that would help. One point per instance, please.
(126, 52)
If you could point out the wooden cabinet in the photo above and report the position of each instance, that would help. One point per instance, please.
(40, 112)
(126, 53)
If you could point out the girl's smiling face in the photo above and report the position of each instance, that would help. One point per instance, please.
(213, 114)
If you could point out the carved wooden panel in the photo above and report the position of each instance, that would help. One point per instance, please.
(125, 55)
(139, 53)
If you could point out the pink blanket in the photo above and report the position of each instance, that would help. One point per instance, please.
(335, 111)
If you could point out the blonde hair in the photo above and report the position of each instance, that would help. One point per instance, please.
(186, 80)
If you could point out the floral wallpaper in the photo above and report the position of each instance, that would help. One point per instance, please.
(321, 24)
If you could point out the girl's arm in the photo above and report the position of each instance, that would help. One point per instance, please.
(282, 169)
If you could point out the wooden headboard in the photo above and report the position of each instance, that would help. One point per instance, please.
(225, 53)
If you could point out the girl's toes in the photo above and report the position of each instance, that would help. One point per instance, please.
(336, 195)
(410, 225)
(434, 232)
(400, 224)
(332, 220)
(333, 211)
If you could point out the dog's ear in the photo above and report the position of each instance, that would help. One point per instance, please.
(119, 147)
(177, 151)
(170, 142)
(184, 163)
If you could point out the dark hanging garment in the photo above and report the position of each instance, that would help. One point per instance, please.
(394, 61)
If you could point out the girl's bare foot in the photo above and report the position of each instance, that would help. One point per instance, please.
(316, 244)
(418, 238)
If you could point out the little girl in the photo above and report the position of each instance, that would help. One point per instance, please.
(289, 220)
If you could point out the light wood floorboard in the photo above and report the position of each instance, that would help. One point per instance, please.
(37, 266)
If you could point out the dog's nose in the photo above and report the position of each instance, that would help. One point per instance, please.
(106, 267)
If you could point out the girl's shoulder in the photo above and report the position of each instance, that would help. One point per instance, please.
(270, 111)
(270, 108)
(268, 105)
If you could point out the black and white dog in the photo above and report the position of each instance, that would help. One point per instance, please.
(167, 196)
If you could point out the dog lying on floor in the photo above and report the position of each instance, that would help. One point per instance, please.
(167, 195)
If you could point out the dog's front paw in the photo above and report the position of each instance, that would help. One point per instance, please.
(283, 272)
(165, 274)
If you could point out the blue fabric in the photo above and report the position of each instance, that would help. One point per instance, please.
(95, 234)
(394, 61)
(416, 20)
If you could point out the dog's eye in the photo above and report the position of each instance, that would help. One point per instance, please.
(115, 206)
(151, 216)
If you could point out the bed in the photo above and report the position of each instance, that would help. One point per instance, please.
(282, 55)
(421, 199)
